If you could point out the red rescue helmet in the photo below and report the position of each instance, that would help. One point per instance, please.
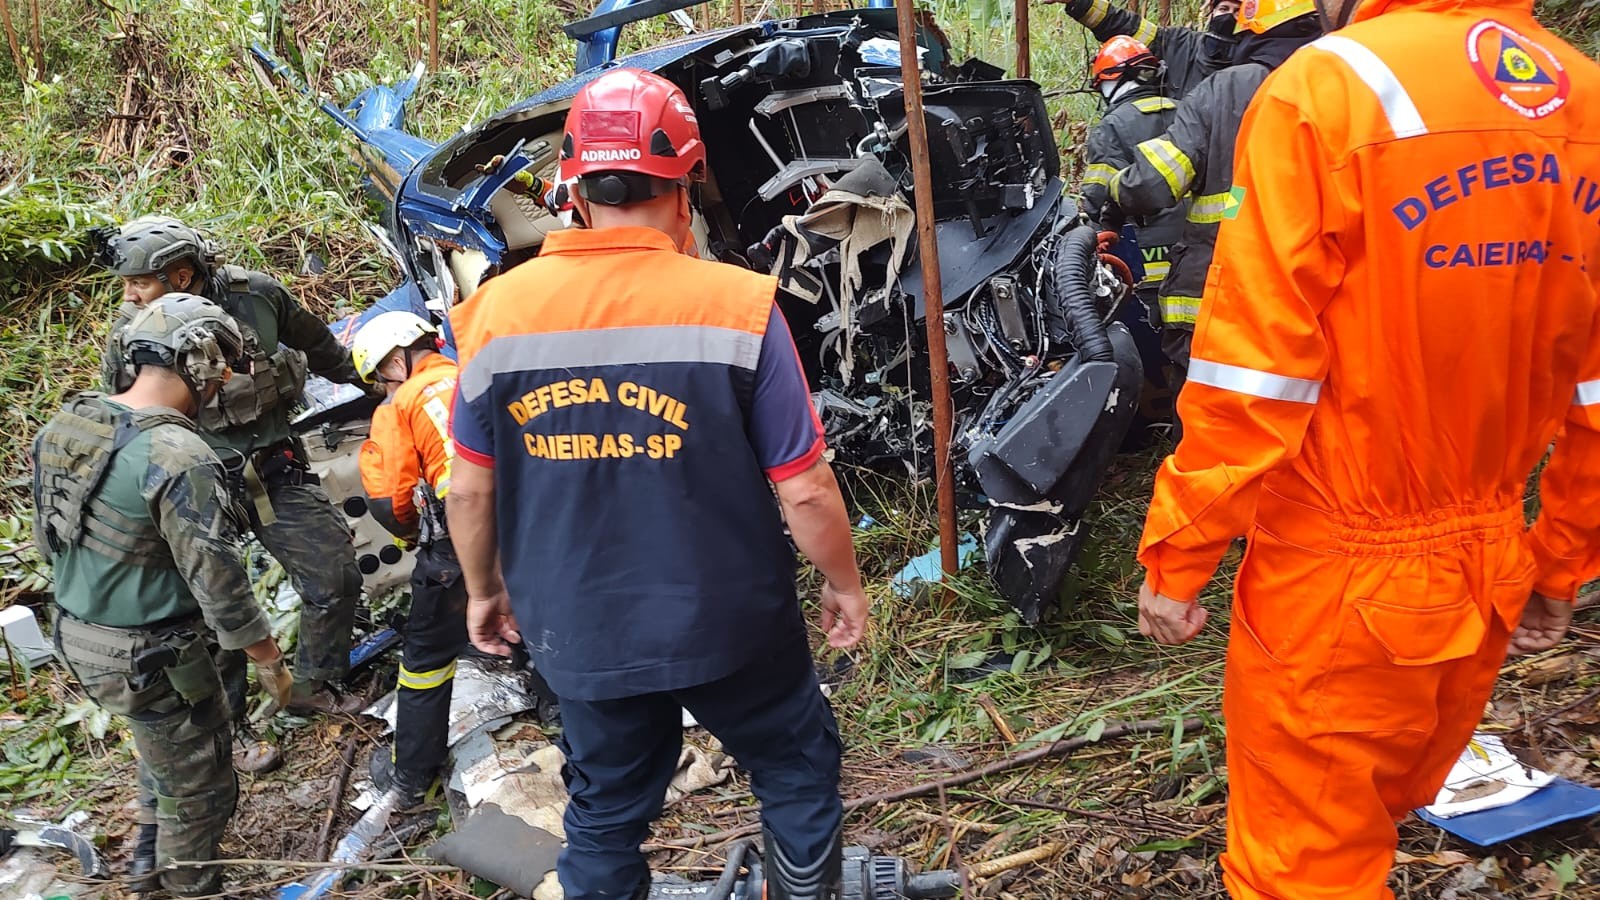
(1121, 56)
(628, 120)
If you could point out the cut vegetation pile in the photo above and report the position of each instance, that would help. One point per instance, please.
(114, 108)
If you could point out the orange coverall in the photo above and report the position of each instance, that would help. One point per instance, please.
(410, 447)
(410, 443)
(1401, 318)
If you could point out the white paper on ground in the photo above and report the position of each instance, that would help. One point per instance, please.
(1487, 776)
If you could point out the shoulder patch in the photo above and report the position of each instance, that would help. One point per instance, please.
(1523, 75)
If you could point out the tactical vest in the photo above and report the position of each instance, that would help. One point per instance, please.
(72, 456)
(262, 380)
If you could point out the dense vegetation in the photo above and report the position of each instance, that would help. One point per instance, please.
(114, 108)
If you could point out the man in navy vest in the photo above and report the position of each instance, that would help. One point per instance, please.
(623, 414)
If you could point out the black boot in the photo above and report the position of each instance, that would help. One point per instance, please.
(807, 880)
(142, 875)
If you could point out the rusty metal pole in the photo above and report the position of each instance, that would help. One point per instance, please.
(1024, 51)
(738, 12)
(932, 289)
(433, 35)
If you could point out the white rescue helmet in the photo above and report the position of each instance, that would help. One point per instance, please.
(384, 334)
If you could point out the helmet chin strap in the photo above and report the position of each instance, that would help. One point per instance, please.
(1336, 14)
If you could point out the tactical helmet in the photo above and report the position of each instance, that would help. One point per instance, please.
(384, 334)
(148, 244)
(627, 123)
(188, 334)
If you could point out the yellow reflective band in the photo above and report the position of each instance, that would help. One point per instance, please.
(1171, 162)
(1097, 13)
(1154, 104)
(1146, 32)
(1212, 208)
(426, 681)
(1100, 174)
(1155, 272)
(1180, 310)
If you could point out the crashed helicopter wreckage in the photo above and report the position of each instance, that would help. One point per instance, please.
(809, 179)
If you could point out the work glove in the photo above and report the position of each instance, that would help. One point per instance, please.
(276, 679)
(1112, 218)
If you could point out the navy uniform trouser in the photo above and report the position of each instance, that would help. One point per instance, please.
(435, 634)
(621, 756)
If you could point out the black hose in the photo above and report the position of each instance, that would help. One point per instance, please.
(1072, 300)
(932, 885)
(723, 889)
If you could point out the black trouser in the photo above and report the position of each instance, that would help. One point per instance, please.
(435, 634)
(1175, 342)
(621, 756)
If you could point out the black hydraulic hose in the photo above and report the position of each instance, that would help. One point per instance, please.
(933, 885)
(1073, 299)
(723, 889)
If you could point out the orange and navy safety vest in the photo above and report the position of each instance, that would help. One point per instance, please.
(634, 404)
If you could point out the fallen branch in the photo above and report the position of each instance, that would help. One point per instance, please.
(1058, 748)
(1016, 860)
(1544, 717)
(347, 764)
(383, 865)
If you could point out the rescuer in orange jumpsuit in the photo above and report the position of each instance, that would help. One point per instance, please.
(405, 469)
(1401, 318)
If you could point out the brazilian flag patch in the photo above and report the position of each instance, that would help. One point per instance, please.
(1234, 202)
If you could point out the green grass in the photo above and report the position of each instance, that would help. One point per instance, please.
(201, 135)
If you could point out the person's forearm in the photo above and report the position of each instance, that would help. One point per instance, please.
(814, 509)
(470, 511)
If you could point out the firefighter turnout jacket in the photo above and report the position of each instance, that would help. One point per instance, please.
(634, 404)
(1141, 116)
(1191, 55)
(405, 463)
(1193, 159)
(1403, 315)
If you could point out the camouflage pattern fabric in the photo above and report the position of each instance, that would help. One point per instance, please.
(185, 760)
(313, 542)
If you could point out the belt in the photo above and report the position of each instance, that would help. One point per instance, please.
(1407, 534)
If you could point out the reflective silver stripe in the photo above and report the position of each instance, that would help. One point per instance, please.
(1254, 382)
(1588, 394)
(609, 347)
(1100, 174)
(1096, 13)
(1211, 208)
(1404, 118)
(1146, 32)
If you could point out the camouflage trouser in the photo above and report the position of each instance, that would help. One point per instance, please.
(179, 718)
(313, 542)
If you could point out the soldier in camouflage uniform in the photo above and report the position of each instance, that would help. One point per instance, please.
(248, 426)
(152, 601)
